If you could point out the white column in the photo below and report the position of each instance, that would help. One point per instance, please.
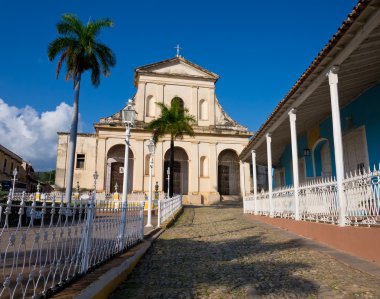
(242, 179)
(270, 182)
(338, 146)
(254, 174)
(149, 221)
(293, 133)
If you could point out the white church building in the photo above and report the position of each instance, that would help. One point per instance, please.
(206, 166)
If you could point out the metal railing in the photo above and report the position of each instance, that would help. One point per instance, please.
(167, 208)
(138, 196)
(47, 243)
(318, 200)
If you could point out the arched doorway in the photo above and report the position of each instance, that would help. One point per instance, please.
(115, 169)
(228, 173)
(181, 171)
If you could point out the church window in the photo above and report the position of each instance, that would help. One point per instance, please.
(5, 166)
(180, 102)
(204, 166)
(150, 106)
(203, 110)
(80, 161)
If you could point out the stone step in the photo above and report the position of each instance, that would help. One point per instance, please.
(231, 198)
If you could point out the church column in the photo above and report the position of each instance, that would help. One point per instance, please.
(144, 103)
(247, 179)
(242, 178)
(161, 93)
(194, 103)
(293, 133)
(254, 174)
(212, 105)
(338, 146)
(194, 168)
(158, 166)
(213, 168)
(140, 101)
(138, 165)
(270, 182)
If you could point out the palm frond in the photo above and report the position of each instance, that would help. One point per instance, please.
(59, 65)
(70, 24)
(77, 45)
(95, 26)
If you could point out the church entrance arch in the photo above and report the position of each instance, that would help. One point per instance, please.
(228, 173)
(181, 171)
(115, 169)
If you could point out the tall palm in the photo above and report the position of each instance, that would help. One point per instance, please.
(176, 122)
(78, 47)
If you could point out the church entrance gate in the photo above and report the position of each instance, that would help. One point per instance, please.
(228, 173)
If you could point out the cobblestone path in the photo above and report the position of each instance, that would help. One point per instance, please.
(213, 252)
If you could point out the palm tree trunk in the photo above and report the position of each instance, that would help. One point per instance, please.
(171, 168)
(72, 143)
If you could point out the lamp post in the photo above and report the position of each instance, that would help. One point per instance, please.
(129, 116)
(150, 146)
(14, 180)
(168, 173)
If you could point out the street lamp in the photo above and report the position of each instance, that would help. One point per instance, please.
(168, 173)
(14, 180)
(150, 147)
(129, 117)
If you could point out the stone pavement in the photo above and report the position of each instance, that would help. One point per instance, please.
(214, 252)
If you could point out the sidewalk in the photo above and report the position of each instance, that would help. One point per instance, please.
(362, 242)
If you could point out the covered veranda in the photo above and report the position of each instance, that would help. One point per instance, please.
(346, 67)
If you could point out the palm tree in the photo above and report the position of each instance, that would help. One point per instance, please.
(176, 122)
(78, 47)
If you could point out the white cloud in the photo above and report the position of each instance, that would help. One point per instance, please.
(31, 135)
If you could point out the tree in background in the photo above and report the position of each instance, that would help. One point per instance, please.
(176, 122)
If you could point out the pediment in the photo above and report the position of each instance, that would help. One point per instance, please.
(177, 66)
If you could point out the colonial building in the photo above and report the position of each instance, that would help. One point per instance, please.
(206, 166)
(25, 178)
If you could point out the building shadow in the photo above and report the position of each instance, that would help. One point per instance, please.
(178, 268)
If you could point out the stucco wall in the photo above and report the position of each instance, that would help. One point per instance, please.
(363, 111)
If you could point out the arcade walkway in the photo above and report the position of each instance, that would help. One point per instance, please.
(213, 252)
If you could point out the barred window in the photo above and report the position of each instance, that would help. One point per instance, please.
(80, 161)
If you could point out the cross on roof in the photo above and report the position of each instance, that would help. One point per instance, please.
(178, 48)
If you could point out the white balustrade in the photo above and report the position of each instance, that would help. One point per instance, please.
(46, 243)
(167, 208)
(318, 200)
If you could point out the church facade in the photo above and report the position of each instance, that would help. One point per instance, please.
(206, 165)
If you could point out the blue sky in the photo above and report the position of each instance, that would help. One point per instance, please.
(259, 49)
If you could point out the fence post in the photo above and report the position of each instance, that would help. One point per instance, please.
(87, 238)
(159, 214)
(142, 220)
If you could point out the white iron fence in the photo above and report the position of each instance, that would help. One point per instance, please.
(168, 207)
(139, 196)
(318, 200)
(44, 244)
